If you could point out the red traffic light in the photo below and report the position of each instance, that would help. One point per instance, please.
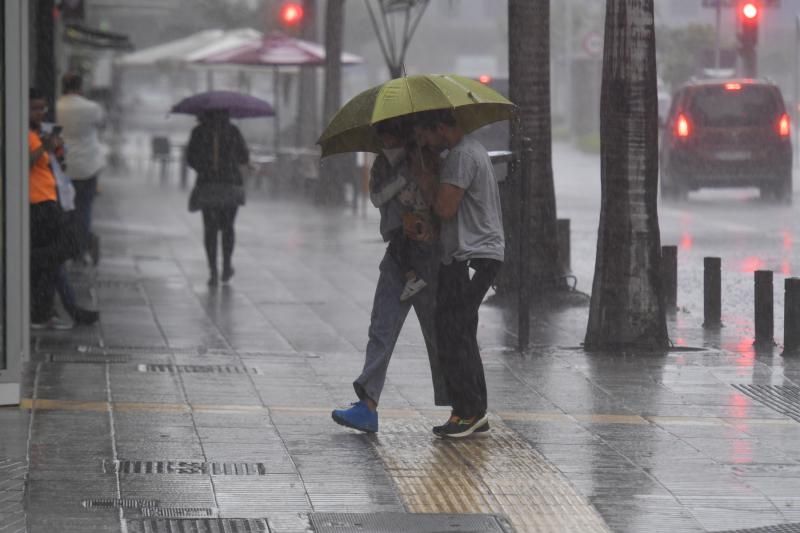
(749, 10)
(291, 14)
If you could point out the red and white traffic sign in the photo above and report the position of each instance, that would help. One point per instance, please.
(593, 44)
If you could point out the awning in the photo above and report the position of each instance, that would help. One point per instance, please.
(78, 34)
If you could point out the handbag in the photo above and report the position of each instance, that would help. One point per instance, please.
(215, 195)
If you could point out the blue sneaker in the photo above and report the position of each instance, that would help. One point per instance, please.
(358, 416)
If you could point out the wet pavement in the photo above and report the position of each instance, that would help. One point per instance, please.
(196, 409)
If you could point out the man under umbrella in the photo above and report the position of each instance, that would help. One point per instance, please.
(467, 201)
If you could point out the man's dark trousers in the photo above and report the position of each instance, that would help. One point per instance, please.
(457, 303)
(85, 191)
(46, 256)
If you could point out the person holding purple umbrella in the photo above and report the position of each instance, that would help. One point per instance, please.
(216, 151)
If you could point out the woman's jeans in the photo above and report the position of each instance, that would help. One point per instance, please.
(388, 317)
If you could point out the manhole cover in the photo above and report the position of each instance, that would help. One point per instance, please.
(784, 399)
(197, 525)
(780, 528)
(408, 523)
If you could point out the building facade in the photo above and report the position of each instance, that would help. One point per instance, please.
(14, 321)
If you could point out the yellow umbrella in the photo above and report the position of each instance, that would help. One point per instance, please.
(473, 104)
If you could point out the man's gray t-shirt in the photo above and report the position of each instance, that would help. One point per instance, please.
(476, 232)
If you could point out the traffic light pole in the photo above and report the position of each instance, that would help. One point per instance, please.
(749, 62)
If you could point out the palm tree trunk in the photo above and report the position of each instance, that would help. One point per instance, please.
(334, 28)
(626, 308)
(334, 171)
(308, 109)
(529, 88)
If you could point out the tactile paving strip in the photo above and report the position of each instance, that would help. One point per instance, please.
(406, 523)
(495, 473)
(784, 399)
(230, 525)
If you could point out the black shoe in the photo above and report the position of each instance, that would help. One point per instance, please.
(458, 427)
(94, 248)
(227, 274)
(85, 316)
(212, 280)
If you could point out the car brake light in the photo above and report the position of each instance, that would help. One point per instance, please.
(682, 128)
(784, 126)
(733, 86)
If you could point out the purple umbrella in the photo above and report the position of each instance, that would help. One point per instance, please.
(239, 105)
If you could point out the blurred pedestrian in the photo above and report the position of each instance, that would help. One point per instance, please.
(85, 155)
(47, 254)
(390, 176)
(68, 234)
(467, 201)
(216, 151)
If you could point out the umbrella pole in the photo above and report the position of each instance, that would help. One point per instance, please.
(276, 107)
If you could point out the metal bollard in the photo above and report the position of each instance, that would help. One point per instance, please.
(669, 277)
(763, 307)
(712, 289)
(524, 303)
(564, 244)
(791, 315)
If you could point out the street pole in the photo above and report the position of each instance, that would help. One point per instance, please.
(717, 43)
(796, 110)
(568, 66)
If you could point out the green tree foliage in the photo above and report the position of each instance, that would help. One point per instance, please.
(678, 51)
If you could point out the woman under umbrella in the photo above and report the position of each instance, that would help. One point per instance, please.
(216, 150)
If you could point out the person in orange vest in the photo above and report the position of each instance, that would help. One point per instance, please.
(45, 219)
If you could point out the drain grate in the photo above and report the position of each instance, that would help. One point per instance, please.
(87, 358)
(160, 348)
(780, 528)
(197, 526)
(184, 467)
(178, 512)
(408, 523)
(198, 369)
(107, 283)
(102, 504)
(784, 399)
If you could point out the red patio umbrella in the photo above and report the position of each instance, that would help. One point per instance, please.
(275, 50)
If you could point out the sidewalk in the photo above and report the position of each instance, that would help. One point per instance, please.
(189, 409)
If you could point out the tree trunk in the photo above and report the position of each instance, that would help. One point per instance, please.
(626, 308)
(529, 88)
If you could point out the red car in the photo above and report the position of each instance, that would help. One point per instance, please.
(727, 133)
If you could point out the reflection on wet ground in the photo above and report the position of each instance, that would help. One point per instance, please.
(206, 404)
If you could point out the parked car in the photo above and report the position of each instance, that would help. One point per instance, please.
(727, 133)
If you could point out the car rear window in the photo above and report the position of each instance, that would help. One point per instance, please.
(717, 106)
